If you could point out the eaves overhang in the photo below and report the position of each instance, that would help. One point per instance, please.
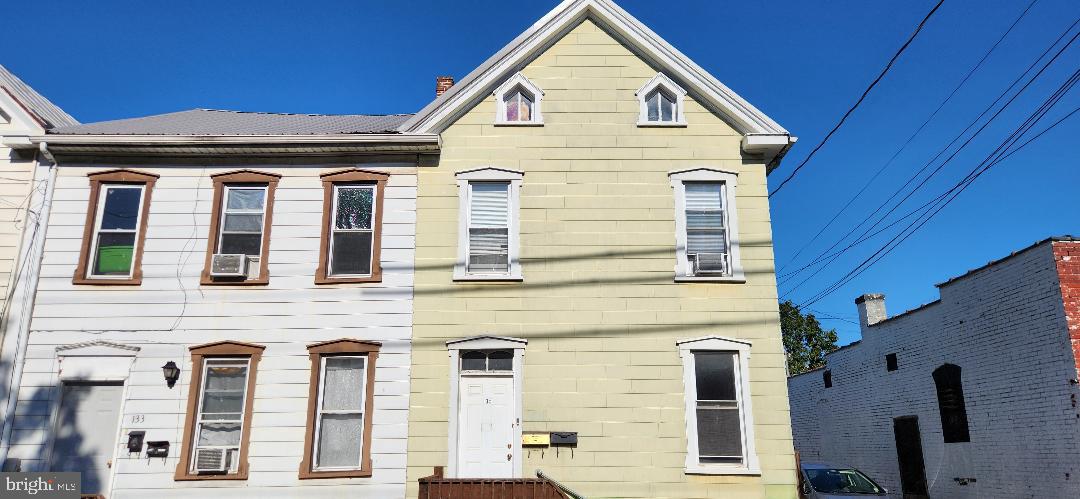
(236, 145)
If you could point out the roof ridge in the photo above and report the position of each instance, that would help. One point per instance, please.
(290, 114)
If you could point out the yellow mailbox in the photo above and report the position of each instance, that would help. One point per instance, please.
(535, 439)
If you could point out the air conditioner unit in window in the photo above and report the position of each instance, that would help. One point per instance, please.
(229, 265)
(710, 264)
(211, 460)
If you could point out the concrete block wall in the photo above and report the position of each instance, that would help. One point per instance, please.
(1005, 326)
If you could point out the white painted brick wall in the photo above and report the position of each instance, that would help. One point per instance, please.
(1005, 327)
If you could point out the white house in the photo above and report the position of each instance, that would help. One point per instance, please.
(974, 395)
(268, 258)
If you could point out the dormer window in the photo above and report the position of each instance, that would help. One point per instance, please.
(661, 102)
(518, 102)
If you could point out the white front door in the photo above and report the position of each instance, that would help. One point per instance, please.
(486, 431)
(86, 432)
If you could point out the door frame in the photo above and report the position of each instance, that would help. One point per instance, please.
(92, 362)
(454, 347)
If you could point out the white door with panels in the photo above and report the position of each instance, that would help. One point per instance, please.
(85, 439)
(486, 432)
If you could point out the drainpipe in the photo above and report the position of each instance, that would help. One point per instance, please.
(566, 490)
(25, 294)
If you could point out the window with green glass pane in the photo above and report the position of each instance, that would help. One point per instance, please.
(116, 230)
(352, 234)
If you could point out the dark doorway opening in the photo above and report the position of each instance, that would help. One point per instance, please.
(909, 455)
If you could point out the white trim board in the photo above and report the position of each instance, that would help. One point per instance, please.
(444, 110)
(687, 347)
(484, 342)
(730, 181)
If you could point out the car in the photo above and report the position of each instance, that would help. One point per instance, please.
(829, 481)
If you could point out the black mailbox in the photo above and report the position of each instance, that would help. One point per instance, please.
(564, 438)
(135, 441)
(157, 448)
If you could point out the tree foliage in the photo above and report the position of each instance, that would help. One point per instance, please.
(805, 342)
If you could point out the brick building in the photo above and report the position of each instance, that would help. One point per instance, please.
(971, 396)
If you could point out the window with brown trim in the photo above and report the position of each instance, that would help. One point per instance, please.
(217, 427)
(116, 217)
(352, 227)
(337, 443)
(240, 225)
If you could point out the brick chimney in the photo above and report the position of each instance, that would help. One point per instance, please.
(442, 84)
(871, 310)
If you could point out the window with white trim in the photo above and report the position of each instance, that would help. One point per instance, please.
(517, 102)
(706, 226)
(116, 231)
(719, 419)
(661, 102)
(339, 419)
(220, 416)
(242, 220)
(488, 242)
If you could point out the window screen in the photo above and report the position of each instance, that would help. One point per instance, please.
(489, 227)
(950, 393)
(719, 424)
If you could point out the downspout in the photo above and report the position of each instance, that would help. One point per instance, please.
(26, 299)
(565, 490)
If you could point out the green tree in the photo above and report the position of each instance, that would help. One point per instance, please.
(805, 342)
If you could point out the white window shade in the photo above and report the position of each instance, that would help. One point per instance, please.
(488, 236)
(489, 231)
(705, 231)
(706, 226)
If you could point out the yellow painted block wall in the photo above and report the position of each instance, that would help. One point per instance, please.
(598, 303)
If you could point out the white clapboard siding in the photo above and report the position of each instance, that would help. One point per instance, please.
(170, 312)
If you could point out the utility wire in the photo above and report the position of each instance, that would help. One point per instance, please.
(822, 258)
(852, 109)
(911, 137)
(1002, 152)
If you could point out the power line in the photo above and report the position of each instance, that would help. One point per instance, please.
(830, 259)
(1002, 152)
(873, 84)
(919, 130)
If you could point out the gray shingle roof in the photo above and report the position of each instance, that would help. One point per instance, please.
(48, 112)
(220, 122)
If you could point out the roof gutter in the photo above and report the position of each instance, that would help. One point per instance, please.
(771, 146)
(207, 140)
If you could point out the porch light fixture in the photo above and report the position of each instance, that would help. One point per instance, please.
(172, 373)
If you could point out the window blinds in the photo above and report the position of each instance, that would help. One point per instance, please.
(489, 234)
(705, 231)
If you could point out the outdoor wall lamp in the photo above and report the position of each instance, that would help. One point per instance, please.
(172, 373)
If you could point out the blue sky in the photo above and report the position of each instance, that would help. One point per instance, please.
(803, 63)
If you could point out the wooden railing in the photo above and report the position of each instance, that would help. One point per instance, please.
(438, 487)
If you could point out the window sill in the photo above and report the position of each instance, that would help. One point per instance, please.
(210, 281)
(185, 477)
(720, 470)
(135, 281)
(347, 280)
(310, 475)
(488, 278)
(519, 123)
(661, 124)
(735, 279)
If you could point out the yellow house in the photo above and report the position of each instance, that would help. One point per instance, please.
(595, 294)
